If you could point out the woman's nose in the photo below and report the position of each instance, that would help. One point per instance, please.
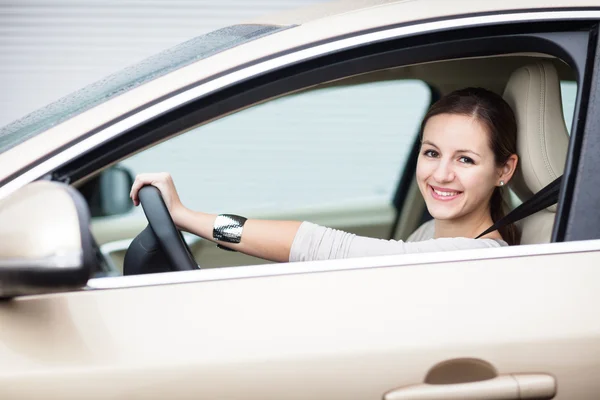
(443, 172)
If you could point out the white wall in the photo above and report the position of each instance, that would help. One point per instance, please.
(50, 48)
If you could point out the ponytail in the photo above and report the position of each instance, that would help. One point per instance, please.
(498, 208)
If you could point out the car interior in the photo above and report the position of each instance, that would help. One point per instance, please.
(533, 91)
(530, 83)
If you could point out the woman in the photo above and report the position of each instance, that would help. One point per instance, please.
(467, 154)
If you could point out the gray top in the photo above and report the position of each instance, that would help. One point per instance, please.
(314, 242)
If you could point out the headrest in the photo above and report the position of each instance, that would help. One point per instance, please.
(533, 92)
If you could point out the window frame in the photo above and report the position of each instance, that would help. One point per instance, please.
(157, 123)
(330, 67)
(296, 78)
(62, 155)
(579, 190)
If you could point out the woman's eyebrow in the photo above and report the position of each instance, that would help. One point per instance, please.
(429, 143)
(468, 151)
(457, 151)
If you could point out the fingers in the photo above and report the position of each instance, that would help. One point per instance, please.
(139, 182)
(142, 180)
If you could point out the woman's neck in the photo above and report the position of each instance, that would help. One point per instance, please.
(469, 226)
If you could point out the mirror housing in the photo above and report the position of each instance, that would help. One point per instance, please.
(107, 194)
(45, 240)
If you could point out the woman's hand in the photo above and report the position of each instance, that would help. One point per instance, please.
(164, 183)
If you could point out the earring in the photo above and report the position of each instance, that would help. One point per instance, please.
(501, 183)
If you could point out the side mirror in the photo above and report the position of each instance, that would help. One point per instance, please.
(108, 193)
(45, 241)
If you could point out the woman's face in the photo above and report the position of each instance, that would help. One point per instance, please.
(456, 170)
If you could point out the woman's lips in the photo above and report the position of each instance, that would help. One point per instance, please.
(443, 194)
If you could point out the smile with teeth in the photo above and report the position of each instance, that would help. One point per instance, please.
(444, 194)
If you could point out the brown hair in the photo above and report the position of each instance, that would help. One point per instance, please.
(495, 114)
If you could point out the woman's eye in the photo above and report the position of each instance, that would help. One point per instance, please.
(430, 153)
(466, 160)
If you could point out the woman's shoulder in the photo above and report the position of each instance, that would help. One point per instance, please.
(462, 243)
(424, 232)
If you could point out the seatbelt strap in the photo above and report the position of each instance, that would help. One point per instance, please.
(546, 197)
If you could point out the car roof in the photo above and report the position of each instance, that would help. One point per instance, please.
(298, 29)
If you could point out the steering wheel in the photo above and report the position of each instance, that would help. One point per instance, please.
(160, 247)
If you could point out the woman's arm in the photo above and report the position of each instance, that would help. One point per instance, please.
(314, 242)
(284, 241)
(270, 240)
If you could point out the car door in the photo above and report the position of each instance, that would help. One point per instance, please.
(493, 322)
(354, 329)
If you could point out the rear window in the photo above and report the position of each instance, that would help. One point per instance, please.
(129, 78)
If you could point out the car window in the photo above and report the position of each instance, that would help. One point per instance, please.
(335, 147)
(568, 91)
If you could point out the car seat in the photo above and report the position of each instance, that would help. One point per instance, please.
(533, 92)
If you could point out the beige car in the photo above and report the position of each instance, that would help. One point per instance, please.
(311, 115)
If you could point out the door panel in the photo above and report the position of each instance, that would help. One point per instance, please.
(341, 334)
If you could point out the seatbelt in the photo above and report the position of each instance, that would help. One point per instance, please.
(546, 197)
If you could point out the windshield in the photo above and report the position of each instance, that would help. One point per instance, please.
(129, 78)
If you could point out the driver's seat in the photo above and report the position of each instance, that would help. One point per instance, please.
(533, 92)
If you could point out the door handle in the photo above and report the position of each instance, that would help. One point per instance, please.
(504, 387)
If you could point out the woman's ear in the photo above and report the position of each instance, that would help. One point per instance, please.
(508, 169)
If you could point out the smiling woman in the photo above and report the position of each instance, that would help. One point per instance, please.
(430, 324)
(469, 146)
(468, 153)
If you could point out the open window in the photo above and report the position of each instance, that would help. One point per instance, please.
(331, 140)
(332, 154)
